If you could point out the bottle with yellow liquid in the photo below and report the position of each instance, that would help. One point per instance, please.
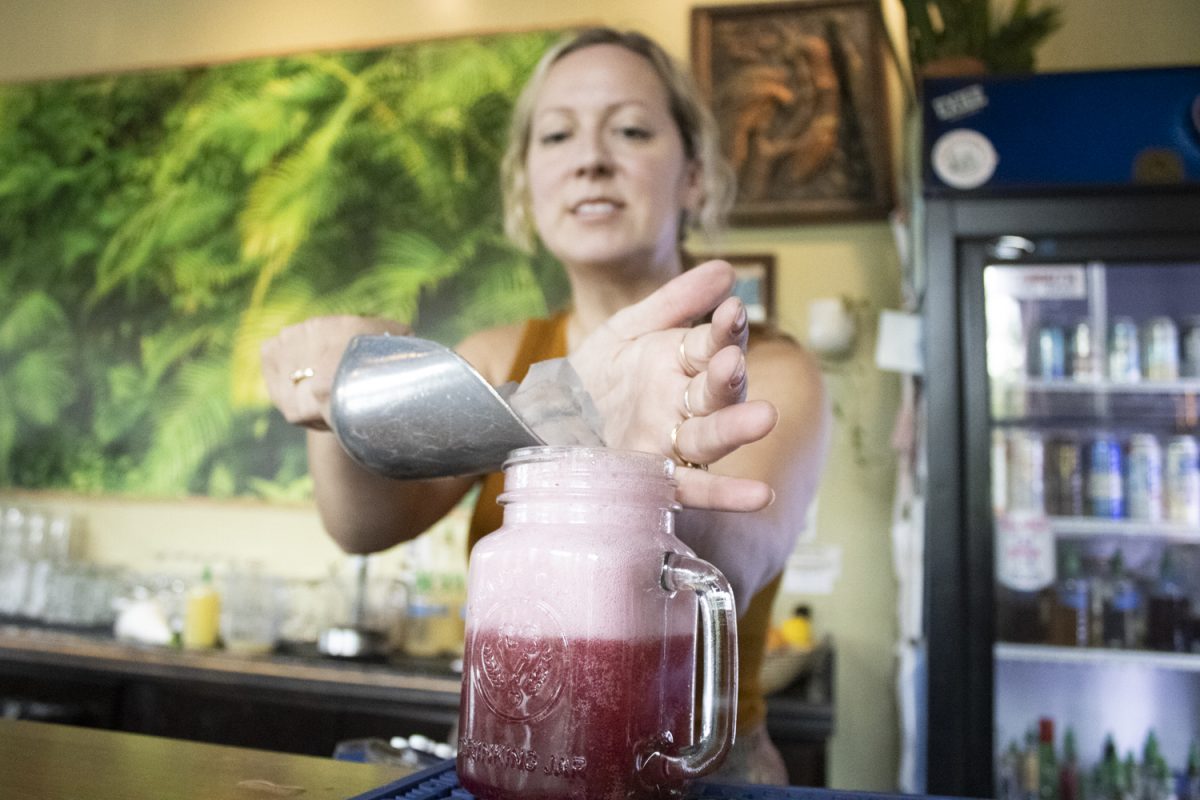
(796, 630)
(202, 615)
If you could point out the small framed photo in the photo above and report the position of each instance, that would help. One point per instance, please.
(755, 283)
(799, 93)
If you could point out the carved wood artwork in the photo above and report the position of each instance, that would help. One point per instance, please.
(797, 89)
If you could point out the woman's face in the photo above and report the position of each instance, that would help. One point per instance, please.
(607, 173)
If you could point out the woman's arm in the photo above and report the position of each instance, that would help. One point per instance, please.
(362, 511)
(751, 547)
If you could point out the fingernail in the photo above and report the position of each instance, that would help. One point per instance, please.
(771, 502)
(739, 323)
(739, 375)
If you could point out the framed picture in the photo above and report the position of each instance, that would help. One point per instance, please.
(798, 92)
(755, 281)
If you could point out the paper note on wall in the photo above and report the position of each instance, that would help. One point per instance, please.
(813, 569)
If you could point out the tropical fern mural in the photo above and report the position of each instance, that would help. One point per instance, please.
(156, 227)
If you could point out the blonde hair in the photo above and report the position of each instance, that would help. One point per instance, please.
(697, 128)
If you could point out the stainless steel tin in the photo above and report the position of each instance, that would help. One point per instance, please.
(411, 408)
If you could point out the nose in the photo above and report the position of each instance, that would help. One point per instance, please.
(594, 157)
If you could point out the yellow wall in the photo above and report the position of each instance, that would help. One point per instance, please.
(48, 38)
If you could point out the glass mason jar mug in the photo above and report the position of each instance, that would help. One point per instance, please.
(579, 669)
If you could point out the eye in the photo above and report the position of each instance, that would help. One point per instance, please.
(635, 132)
(553, 137)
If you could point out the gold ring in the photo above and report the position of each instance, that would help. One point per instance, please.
(683, 462)
(688, 370)
(301, 375)
(687, 406)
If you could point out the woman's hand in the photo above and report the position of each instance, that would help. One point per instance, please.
(678, 391)
(299, 364)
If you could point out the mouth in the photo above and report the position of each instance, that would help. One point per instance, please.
(596, 207)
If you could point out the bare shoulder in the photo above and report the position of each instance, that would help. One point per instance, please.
(493, 350)
(779, 366)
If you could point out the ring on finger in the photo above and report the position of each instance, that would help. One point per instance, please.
(688, 369)
(301, 375)
(687, 405)
(683, 462)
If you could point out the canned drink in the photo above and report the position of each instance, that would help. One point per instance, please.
(999, 471)
(1189, 366)
(1064, 477)
(1085, 366)
(1161, 357)
(1144, 478)
(1106, 492)
(1183, 480)
(1026, 473)
(1052, 353)
(1124, 362)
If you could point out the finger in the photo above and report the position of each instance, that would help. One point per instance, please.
(699, 489)
(678, 302)
(305, 409)
(703, 440)
(722, 384)
(701, 343)
(730, 324)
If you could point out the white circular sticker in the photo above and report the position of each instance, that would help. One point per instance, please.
(964, 159)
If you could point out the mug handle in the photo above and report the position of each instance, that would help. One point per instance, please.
(718, 696)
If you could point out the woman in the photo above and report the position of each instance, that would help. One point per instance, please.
(611, 154)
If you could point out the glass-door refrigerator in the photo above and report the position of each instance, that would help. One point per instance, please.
(1061, 315)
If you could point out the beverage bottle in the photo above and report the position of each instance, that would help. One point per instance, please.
(1154, 778)
(1030, 767)
(1024, 577)
(1182, 480)
(1047, 761)
(1130, 784)
(1027, 472)
(1064, 477)
(1192, 776)
(1008, 773)
(1070, 612)
(1068, 773)
(999, 472)
(1124, 354)
(1106, 487)
(1121, 606)
(1051, 353)
(1084, 362)
(1106, 778)
(1189, 366)
(201, 614)
(1161, 356)
(1144, 478)
(1168, 610)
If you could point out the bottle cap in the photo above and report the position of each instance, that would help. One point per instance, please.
(1045, 729)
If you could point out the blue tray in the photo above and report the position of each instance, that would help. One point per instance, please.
(440, 782)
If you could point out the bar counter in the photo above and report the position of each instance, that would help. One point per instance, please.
(44, 761)
(294, 701)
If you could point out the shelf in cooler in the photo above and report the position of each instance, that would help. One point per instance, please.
(1086, 527)
(1048, 654)
(1166, 406)
(1183, 386)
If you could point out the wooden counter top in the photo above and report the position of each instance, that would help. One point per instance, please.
(41, 761)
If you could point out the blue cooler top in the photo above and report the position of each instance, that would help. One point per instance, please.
(440, 782)
(1022, 134)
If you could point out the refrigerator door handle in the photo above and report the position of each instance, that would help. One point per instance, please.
(1010, 247)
